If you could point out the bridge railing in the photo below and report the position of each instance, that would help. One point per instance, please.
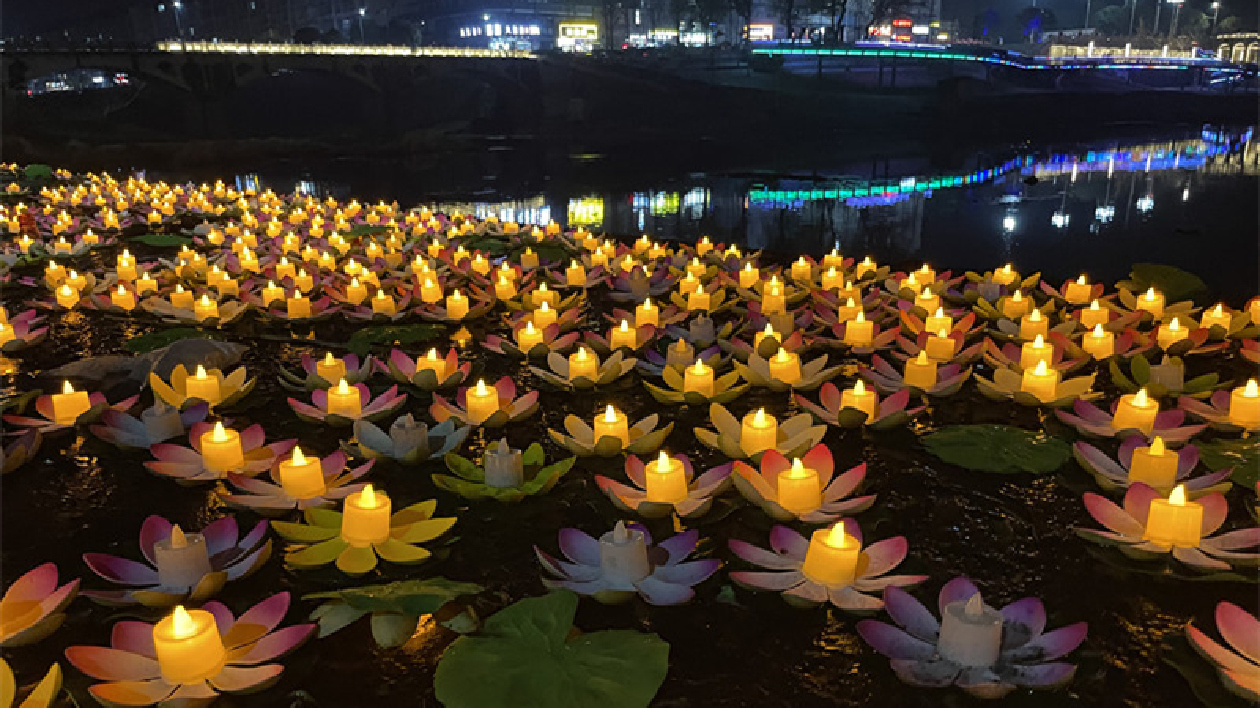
(339, 50)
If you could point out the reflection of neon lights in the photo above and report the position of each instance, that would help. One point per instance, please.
(905, 50)
(1104, 214)
(1060, 219)
(1145, 203)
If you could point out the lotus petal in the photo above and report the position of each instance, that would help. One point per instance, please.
(132, 693)
(110, 664)
(893, 642)
(911, 614)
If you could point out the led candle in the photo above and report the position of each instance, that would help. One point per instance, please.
(302, 477)
(582, 364)
(911, 283)
(181, 298)
(529, 259)
(61, 247)
(345, 400)
(1155, 466)
(928, 301)
(926, 274)
(647, 314)
(67, 296)
(1004, 275)
(504, 289)
(182, 559)
(480, 265)
(699, 379)
(758, 432)
(666, 480)
(528, 337)
(6, 333)
(599, 257)
(1079, 291)
(1253, 310)
(271, 293)
(801, 271)
(356, 293)
(622, 336)
(221, 450)
(297, 306)
(1136, 411)
(330, 368)
(544, 294)
(383, 304)
(188, 646)
(859, 332)
(627, 263)
(1171, 333)
(1174, 521)
(749, 276)
(785, 367)
(1152, 301)
(773, 300)
(1095, 315)
(680, 354)
(847, 310)
(767, 333)
(68, 405)
(612, 423)
(205, 308)
(126, 268)
(1015, 306)
(1244, 405)
(940, 346)
(1216, 317)
(971, 633)
(832, 557)
(1035, 351)
(832, 279)
(430, 292)
(704, 245)
(699, 300)
(861, 399)
(799, 489)
(365, 517)
(54, 273)
(1040, 381)
(920, 371)
(24, 243)
(483, 402)
(204, 387)
(696, 269)
(504, 466)
(623, 554)
(122, 297)
(1099, 343)
(833, 259)
(285, 269)
(1033, 325)
(161, 421)
(456, 305)
(544, 316)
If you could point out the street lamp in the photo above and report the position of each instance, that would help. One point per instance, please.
(1216, 14)
(1172, 29)
(362, 38)
(179, 25)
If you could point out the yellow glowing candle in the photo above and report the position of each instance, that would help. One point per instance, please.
(204, 387)
(181, 298)
(383, 304)
(271, 293)
(528, 337)
(940, 346)
(6, 333)
(699, 379)
(330, 368)
(68, 405)
(612, 423)
(1079, 291)
(801, 270)
(456, 306)
(1155, 465)
(647, 314)
(704, 245)
(859, 332)
(1095, 315)
(832, 557)
(529, 259)
(544, 316)
(926, 274)
(67, 296)
(910, 283)
(799, 489)
(1253, 310)
(1216, 317)
(699, 300)
(847, 310)
(1171, 333)
(297, 306)
(1015, 306)
(483, 402)
(188, 646)
(622, 336)
(666, 480)
(544, 294)
(1035, 351)
(582, 364)
(206, 308)
(1004, 275)
(833, 259)
(758, 432)
(920, 372)
(122, 297)
(785, 367)
(832, 279)
(749, 275)
(1174, 521)
(1099, 343)
(480, 265)
(126, 268)
(1136, 411)
(221, 450)
(773, 300)
(504, 289)
(365, 517)
(928, 301)
(865, 266)
(1033, 325)
(285, 269)
(1040, 381)
(344, 400)
(355, 291)
(1244, 405)
(430, 292)
(302, 477)
(761, 336)
(696, 269)
(861, 399)
(1152, 301)
(303, 281)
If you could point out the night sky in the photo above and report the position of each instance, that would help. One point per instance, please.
(28, 17)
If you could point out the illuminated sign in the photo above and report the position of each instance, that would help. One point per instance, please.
(586, 211)
(903, 23)
(761, 33)
(579, 31)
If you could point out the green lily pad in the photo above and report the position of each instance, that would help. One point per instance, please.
(365, 230)
(37, 172)
(163, 337)
(998, 448)
(1175, 283)
(161, 240)
(409, 597)
(1200, 674)
(1242, 455)
(362, 341)
(526, 656)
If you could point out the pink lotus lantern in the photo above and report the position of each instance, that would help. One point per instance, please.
(33, 606)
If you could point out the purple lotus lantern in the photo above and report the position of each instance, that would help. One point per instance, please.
(33, 606)
(62, 411)
(805, 488)
(1238, 663)
(300, 482)
(345, 404)
(1152, 464)
(20, 450)
(216, 450)
(665, 485)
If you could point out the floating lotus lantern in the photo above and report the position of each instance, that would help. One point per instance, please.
(702, 332)
(430, 371)
(942, 319)
(922, 376)
(1152, 305)
(702, 298)
(1132, 414)
(43, 695)
(62, 411)
(183, 567)
(696, 385)
(296, 307)
(785, 371)
(1151, 525)
(1229, 411)
(1037, 386)
(20, 450)
(804, 488)
(324, 372)
(457, 307)
(583, 369)
(758, 432)
(624, 562)
(1223, 323)
(344, 404)
(584, 275)
(545, 315)
(21, 331)
(364, 530)
(1154, 465)
(191, 656)
(988, 653)
(409, 441)
(831, 566)
(862, 336)
(157, 423)
(299, 482)
(1165, 378)
(506, 474)
(648, 312)
(943, 346)
(34, 606)
(489, 406)
(531, 342)
(1075, 292)
(1238, 662)
(204, 311)
(636, 286)
(216, 450)
(859, 406)
(611, 435)
(766, 342)
(666, 485)
(621, 336)
(204, 385)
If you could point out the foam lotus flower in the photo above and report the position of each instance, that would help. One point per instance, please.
(1089, 419)
(1238, 662)
(24, 331)
(510, 407)
(272, 499)
(657, 572)
(962, 354)
(409, 441)
(367, 313)
(318, 542)
(702, 332)
(507, 475)
(792, 294)
(795, 435)
(726, 387)
(813, 373)
(1006, 384)
(479, 304)
(966, 325)
(784, 562)
(307, 377)
(1008, 356)
(1096, 291)
(897, 283)
(157, 423)
(886, 379)
(230, 557)
(1127, 530)
(229, 312)
(718, 300)
(369, 408)
(643, 335)
(1249, 349)
(186, 465)
(637, 286)
(129, 666)
(1129, 300)
(420, 372)
(595, 277)
(20, 450)
(321, 308)
(47, 423)
(920, 652)
(42, 696)
(568, 319)
(644, 437)
(1008, 329)
(890, 412)
(701, 489)
(882, 338)
(552, 341)
(767, 347)
(665, 316)
(606, 371)
(761, 487)
(34, 606)
(1216, 411)
(1114, 474)
(232, 387)
(1167, 378)
(527, 300)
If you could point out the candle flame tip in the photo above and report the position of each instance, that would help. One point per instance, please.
(1178, 496)
(974, 606)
